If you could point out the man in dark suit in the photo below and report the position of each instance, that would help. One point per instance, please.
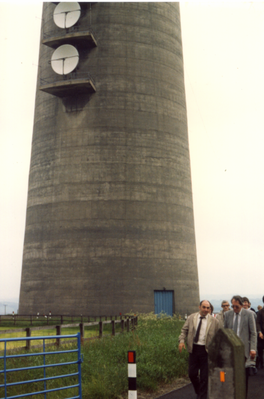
(243, 323)
(199, 330)
(260, 331)
(251, 364)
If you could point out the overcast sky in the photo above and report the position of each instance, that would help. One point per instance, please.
(223, 48)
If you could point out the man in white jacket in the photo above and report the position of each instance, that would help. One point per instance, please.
(199, 330)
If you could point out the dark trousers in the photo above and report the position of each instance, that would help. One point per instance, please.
(260, 351)
(198, 360)
(247, 376)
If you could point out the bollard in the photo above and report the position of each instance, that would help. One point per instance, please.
(132, 375)
(226, 362)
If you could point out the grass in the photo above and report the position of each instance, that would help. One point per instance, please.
(104, 370)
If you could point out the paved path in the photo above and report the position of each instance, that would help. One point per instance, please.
(255, 389)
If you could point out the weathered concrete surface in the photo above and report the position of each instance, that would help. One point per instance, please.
(110, 212)
(226, 355)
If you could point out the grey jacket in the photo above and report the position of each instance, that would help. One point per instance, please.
(220, 318)
(189, 329)
(247, 329)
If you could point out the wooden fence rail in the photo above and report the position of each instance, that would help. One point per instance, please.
(130, 322)
(55, 319)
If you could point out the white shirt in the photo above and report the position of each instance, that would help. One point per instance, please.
(202, 336)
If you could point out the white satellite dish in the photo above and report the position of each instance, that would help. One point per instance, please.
(64, 59)
(66, 14)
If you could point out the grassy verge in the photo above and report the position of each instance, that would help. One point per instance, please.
(104, 370)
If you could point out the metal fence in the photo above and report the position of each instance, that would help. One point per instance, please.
(5, 371)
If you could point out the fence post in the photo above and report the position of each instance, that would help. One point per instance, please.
(127, 325)
(82, 331)
(28, 334)
(226, 366)
(132, 323)
(122, 325)
(113, 327)
(100, 329)
(58, 332)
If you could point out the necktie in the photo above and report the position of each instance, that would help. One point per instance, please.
(236, 323)
(196, 338)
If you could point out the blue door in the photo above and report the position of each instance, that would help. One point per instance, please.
(163, 302)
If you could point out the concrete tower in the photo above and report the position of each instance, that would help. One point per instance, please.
(110, 224)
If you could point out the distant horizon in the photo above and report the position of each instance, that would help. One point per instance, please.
(202, 297)
(7, 306)
(235, 293)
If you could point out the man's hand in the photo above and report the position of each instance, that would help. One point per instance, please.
(181, 345)
(252, 355)
(261, 335)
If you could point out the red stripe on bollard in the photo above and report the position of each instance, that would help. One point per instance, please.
(131, 357)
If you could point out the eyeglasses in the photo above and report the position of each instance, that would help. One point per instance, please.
(235, 306)
(225, 306)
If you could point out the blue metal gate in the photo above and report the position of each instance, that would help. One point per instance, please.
(44, 366)
(163, 302)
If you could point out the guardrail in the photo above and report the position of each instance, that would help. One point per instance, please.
(75, 75)
(5, 371)
(76, 28)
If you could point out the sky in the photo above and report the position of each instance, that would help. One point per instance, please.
(224, 80)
